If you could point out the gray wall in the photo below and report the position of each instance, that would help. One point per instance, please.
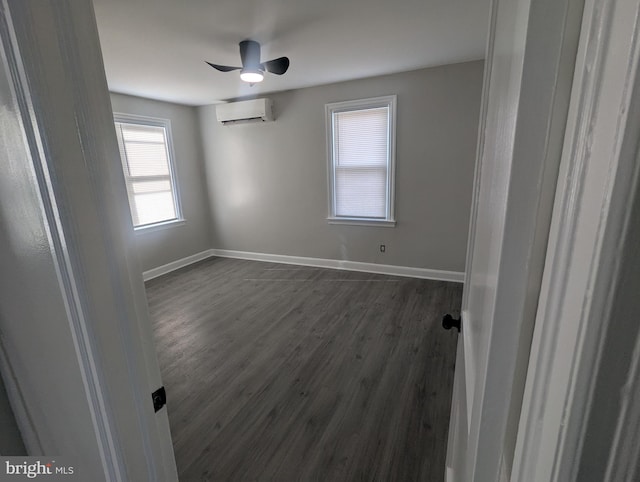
(268, 182)
(10, 439)
(617, 362)
(158, 247)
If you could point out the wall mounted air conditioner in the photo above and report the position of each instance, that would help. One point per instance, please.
(244, 111)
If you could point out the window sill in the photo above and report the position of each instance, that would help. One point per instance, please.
(378, 223)
(159, 226)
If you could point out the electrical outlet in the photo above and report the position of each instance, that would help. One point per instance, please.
(383, 248)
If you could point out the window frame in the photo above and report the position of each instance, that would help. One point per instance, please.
(390, 102)
(173, 175)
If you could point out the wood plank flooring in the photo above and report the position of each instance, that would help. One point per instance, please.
(285, 373)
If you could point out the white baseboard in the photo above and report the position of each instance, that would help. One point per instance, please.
(434, 274)
(449, 475)
(177, 264)
(407, 271)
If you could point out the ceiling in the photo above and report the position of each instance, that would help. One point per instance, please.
(157, 48)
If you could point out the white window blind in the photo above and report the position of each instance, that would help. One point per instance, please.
(361, 149)
(144, 150)
(361, 138)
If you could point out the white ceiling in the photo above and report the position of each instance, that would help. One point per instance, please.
(157, 48)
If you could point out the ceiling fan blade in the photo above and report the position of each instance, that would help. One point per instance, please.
(250, 54)
(223, 68)
(277, 66)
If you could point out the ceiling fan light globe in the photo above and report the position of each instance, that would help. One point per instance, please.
(251, 76)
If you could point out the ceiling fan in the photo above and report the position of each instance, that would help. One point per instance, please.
(252, 69)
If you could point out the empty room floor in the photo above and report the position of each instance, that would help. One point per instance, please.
(287, 373)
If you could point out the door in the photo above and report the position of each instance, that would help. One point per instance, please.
(75, 342)
(581, 408)
(528, 74)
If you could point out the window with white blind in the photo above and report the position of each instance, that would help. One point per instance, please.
(146, 154)
(361, 147)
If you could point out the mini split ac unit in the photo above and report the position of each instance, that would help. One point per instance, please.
(246, 110)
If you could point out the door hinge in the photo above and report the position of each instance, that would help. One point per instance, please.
(159, 398)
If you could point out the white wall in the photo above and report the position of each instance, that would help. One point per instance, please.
(159, 247)
(268, 182)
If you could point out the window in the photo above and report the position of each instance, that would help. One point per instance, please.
(361, 148)
(146, 154)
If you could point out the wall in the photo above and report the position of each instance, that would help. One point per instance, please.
(612, 422)
(268, 182)
(161, 246)
(10, 439)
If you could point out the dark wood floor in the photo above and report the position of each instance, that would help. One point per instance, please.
(285, 373)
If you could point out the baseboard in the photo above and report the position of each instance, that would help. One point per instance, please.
(406, 271)
(449, 475)
(177, 264)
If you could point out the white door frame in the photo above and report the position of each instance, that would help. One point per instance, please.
(67, 150)
(598, 178)
(530, 58)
